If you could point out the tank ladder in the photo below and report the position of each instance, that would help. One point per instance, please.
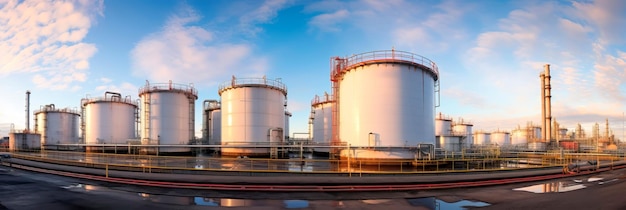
(146, 124)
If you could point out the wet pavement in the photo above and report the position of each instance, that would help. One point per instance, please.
(28, 190)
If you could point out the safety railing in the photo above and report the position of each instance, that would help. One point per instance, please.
(168, 86)
(169, 164)
(341, 64)
(241, 82)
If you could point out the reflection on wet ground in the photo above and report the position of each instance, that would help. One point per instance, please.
(552, 187)
(424, 203)
(434, 203)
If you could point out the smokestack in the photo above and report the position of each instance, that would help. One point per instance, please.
(542, 77)
(548, 104)
(28, 111)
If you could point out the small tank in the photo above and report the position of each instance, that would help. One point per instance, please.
(57, 126)
(24, 141)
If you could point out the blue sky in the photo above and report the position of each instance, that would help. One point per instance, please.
(489, 53)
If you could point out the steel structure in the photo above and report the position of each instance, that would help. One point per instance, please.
(167, 115)
(212, 124)
(253, 113)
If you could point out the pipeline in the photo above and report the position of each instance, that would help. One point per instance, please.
(308, 188)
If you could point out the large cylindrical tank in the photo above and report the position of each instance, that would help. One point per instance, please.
(386, 93)
(19, 141)
(482, 138)
(443, 126)
(500, 138)
(57, 126)
(253, 114)
(110, 119)
(167, 116)
(464, 130)
(321, 108)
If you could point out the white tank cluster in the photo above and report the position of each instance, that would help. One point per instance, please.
(322, 121)
(451, 135)
(253, 112)
(57, 126)
(111, 119)
(167, 116)
(384, 99)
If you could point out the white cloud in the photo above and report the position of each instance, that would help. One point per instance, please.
(186, 53)
(329, 21)
(265, 13)
(45, 38)
(607, 16)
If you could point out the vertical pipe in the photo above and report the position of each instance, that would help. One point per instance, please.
(27, 110)
(548, 104)
(543, 107)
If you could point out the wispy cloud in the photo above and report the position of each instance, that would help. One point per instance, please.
(46, 38)
(185, 52)
(264, 13)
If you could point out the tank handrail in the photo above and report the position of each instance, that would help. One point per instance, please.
(168, 86)
(236, 82)
(53, 109)
(126, 100)
(210, 104)
(340, 64)
(319, 99)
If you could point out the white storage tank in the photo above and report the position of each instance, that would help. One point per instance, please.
(253, 115)
(57, 126)
(212, 125)
(500, 138)
(464, 129)
(482, 138)
(322, 111)
(443, 126)
(520, 136)
(322, 121)
(287, 116)
(450, 143)
(167, 116)
(389, 94)
(111, 119)
(20, 141)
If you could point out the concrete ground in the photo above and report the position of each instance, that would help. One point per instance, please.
(28, 190)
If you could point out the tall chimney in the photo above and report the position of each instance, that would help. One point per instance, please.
(28, 111)
(542, 77)
(548, 104)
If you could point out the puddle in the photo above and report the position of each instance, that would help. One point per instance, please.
(79, 186)
(594, 179)
(432, 203)
(296, 204)
(612, 180)
(551, 187)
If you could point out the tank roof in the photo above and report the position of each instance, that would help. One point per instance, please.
(188, 90)
(340, 65)
(253, 82)
(51, 108)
